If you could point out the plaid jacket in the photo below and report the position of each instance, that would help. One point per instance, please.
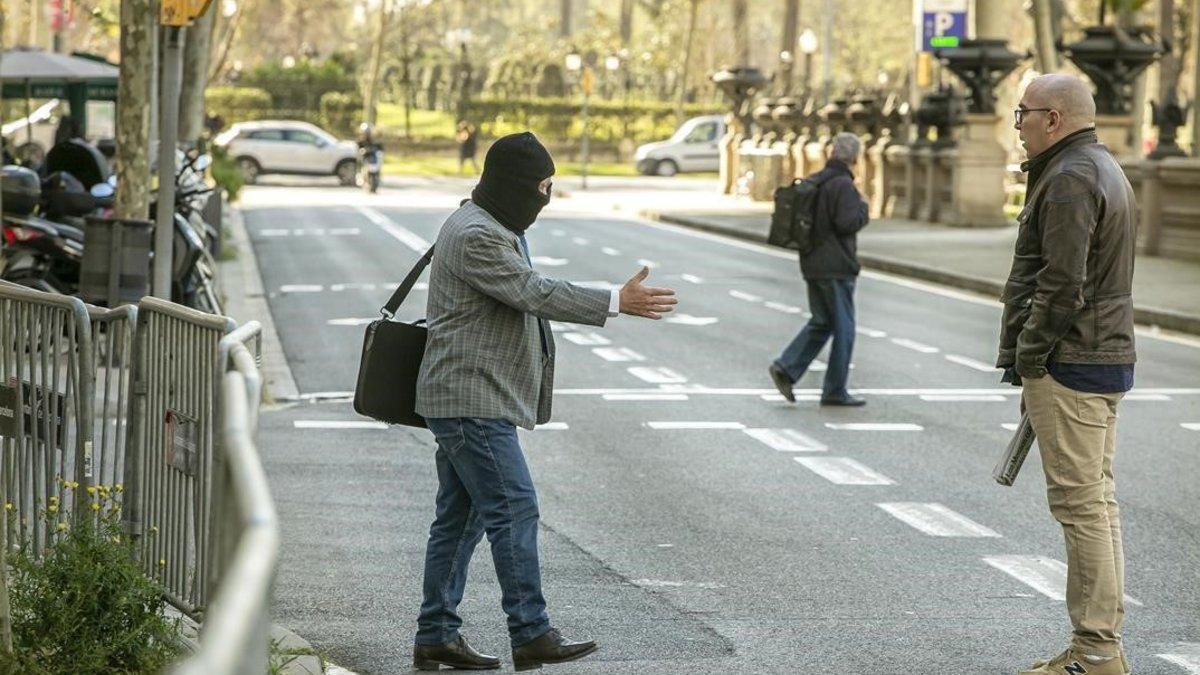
(484, 355)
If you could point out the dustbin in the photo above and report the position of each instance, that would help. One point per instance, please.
(116, 261)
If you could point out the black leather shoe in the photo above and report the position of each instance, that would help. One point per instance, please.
(782, 382)
(550, 647)
(846, 402)
(457, 654)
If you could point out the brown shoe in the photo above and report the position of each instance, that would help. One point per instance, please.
(1072, 662)
(550, 647)
(782, 382)
(456, 654)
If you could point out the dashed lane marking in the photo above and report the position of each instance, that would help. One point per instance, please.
(1044, 575)
(553, 426)
(937, 520)
(970, 363)
(874, 426)
(399, 233)
(618, 354)
(786, 440)
(844, 471)
(647, 263)
(657, 375)
(778, 398)
(691, 278)
(742, 295)
(1146, 397)
(352, 321)
(1009, 426)
(547, 261)
(1186, 655)
(338, 424)
(645, 397)
(301, 288)
(870, 332)
(695, 425)
(582, 241)
(689, 320)
(587, 339)
(785, 308)
(766, 392)
(561, 327)
(1190, 426)
(963, 398)
(915, 346)
(608, 250)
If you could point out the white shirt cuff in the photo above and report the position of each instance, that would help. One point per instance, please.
(614, 302)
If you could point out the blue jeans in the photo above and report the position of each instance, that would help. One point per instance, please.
(831, 302)
(483, 486)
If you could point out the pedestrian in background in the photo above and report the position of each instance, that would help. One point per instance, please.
(830, 269)
(489, 368)
(1067, 338)
(468, 145)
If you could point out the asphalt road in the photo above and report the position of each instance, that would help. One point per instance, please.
(692, 524)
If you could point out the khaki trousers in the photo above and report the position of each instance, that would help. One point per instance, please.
(1076, 435)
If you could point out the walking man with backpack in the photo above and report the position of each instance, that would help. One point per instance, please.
(827, 213)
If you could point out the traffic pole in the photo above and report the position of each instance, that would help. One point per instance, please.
(168, 121)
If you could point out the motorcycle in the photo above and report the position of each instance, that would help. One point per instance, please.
(370, 167)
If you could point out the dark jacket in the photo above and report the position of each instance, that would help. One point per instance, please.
(1069, 295)
(841, 213)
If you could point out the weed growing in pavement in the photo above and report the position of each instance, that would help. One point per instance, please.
(85, 606)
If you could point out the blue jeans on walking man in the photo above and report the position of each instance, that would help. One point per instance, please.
(484, 486)
(831, 302)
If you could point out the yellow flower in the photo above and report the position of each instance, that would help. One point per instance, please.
(119, 487)
(54, 500)
(62, 527)
(52, 509)
(162, 562)
(91, 490)
(153, 529)
(8, 506)
(95, 506)
(116, 540)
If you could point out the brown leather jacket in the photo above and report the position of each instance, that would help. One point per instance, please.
(1069, 295)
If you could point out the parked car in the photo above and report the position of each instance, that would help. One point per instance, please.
(695, 146)
(296, 148)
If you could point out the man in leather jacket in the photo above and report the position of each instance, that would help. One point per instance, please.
(1067, 337)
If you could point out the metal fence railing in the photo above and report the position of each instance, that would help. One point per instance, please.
(112, 333)
(235, 635)
(46, 380)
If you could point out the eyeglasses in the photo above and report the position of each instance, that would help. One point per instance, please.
(1019, 113)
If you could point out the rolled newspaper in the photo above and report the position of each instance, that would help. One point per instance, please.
(1014, 455)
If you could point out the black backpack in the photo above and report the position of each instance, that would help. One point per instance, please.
(793, 221)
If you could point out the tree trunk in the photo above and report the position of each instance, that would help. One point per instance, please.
(1043, 37)
(227, 34)
(689, 41)
(564, 22)
(791, 24)
(133, 109)
(196, 53)
(626, 23)
(741, 33)
(371, 95)
(1196, 78)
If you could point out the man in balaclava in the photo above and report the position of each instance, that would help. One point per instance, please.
(488, 369)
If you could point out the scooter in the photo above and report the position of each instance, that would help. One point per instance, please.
(370, 168)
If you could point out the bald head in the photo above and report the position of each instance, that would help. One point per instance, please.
(1054, 106)
(1065, 93)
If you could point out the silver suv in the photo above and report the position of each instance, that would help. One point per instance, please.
(297, 148)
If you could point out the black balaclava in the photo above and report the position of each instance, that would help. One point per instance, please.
(508, 188)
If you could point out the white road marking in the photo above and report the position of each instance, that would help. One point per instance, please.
(781, 307)
(618, 354)
(558, 233)
(1190, 426)
(547, 261)
(580, 240)
(1186, 655)
(870, 332)
(645, 397)
(786, 440)
(976, 398)
(1146, 397)
(587, 339)
(691, 278)
(560, 326)
(344, 231)
(332, 669)
(695, 425)
(778, 398)
(971, 363)
(663, 583)
(318, 231)
(843, 471)
(737, 391)
(553, 426)
(337, 288)
(937, 520)
(351, 322)
(400, 234)
(274, 232)
(338, 424)
(657, 375)
(1009, 426)
(1044, 575)
(301, 288)
(647, 263)
(748, 297)
(914, 345)
(689, 320)
(874, 426)
(608, 250)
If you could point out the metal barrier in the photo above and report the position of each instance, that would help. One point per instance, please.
(112, 357)
(235, 635)
(171, 441)
(46, 380)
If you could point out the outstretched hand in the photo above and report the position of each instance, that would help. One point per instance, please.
(646, 301)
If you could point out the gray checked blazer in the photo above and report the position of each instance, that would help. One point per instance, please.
(484, 355)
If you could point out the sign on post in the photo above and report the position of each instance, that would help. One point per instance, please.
(942, 24)
(182, 12)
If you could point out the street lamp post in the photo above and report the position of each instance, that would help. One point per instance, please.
(808, 47)
(457, 39)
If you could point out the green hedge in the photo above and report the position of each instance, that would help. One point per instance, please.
(342, 112)
(301, 86)
(563, 118)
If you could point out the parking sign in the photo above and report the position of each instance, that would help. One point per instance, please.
(942, 23)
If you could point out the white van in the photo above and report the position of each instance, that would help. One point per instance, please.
(695, 146)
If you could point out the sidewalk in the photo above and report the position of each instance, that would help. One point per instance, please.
(1165, 291)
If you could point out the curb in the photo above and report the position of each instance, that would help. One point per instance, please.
(245, 299)
(1147, 316)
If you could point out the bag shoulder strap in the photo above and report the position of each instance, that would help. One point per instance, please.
(405, 287)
